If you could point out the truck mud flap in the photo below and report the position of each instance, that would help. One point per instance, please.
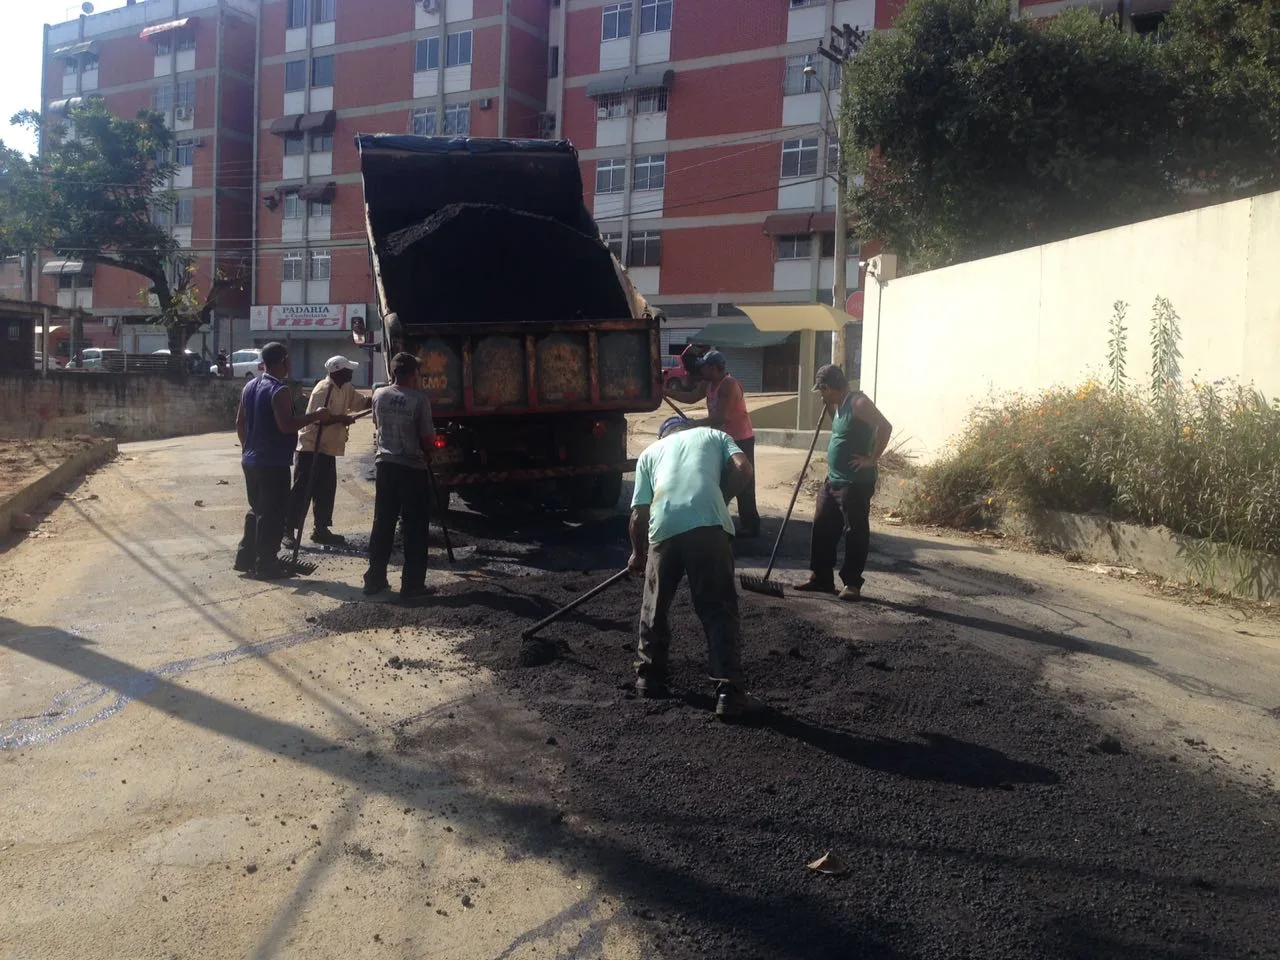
(533, 474)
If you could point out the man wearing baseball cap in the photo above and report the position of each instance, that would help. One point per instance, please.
(680, 527)
(336, 394)
(727, 411)
(859, 435)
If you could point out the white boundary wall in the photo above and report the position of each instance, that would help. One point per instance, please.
(939, 343)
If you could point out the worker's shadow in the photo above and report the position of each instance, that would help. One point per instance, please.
(935, 757)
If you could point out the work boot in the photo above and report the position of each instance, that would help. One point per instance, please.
(816, 585)
(731, 702)
(851, 594)
(289, 541)
(375, 585)
(416, 592)
(327, 537)
(242, 564)
(652, 688)
(271, 570)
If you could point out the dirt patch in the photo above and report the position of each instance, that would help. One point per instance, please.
(960, 794)
(23, 461)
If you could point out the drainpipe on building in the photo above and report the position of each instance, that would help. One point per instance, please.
(214, 323)
(562, 39)
(254, 199)
(631, 134)
(504, 69)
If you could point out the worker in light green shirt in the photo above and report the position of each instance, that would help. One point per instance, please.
(680, 526)
(859, 435)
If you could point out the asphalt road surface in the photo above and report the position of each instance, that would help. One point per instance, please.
(1004, 760)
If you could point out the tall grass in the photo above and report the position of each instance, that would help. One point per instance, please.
(1202, 459)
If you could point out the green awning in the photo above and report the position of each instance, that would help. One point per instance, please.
(743, 335)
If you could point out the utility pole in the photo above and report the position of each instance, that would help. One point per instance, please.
(845, 43)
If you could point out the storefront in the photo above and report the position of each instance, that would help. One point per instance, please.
(314, 332)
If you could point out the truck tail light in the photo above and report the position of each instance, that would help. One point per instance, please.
(599, 429)
(441, 441)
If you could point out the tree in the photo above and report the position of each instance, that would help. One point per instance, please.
(24, 211)
(1227, 55)
(105, 184)
(978, 133)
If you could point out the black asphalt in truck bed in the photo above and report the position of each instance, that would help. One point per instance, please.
(980, 815)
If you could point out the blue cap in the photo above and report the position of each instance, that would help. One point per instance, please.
(669, 424)
(713, 358)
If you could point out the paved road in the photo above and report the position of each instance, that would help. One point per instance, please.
(1013, 758)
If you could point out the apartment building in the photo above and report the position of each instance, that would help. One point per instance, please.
(332, 69)
(193, 61)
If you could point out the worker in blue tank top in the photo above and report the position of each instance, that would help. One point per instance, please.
(859, 436)
(268, 431)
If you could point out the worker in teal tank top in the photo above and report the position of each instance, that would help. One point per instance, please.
(859, 435)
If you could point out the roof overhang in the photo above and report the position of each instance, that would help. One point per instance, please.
(740, 335)
(286, 126)
(788, 224)
(791, 317)
(320, 122)
(167, 27)
(57, 268)
(75, 49)
(323, 192)
(60, 108)
(630, 82)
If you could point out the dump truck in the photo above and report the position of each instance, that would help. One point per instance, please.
(533, 342)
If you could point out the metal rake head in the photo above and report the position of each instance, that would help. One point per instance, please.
(299, 568)
(761, 585)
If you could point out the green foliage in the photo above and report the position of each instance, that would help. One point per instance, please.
(1203, 461)
(1117, 346)
(24, 205)
(1165, 353)
(977, 133)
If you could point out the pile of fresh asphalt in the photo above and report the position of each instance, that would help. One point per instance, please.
(978, 814)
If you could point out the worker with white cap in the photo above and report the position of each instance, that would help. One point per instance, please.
(318, 450)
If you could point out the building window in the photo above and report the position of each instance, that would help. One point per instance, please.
(800, 157)
(324, 11)
(833, 154)
(70, 66)
(186, 41)
(615, 21)
(183, 212)
(294, 146)
(320, 209)
(160, 217)
(795, 80)
(162, 99)
(163, 47)
(88, 62)
(457, 120)
(553, 62)
(651, 101)
(322, 71)
(66, 281)
(610, 106)
(646, 249)
(655, 16)
(321, 264)
(796, 247)
(185, 94)
(424, 122)
(427, 56)
(828, 247)
(297, 16)
(651, 172)
(806, 3)
(291, 267)
(292, 207)
(295, 75)
(611, 176)
(614, 242)
(185, 153)
(322, 143)
(458, 53)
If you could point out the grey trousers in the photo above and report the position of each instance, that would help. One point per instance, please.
(705, 555)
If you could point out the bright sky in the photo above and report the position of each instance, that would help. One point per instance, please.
(20, 40)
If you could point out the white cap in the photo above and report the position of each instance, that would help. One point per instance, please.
(334, 364)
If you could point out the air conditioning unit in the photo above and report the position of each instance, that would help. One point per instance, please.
(430, 6)
(486, 103)
(182, 112)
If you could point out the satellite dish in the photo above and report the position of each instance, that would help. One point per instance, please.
(87, 7)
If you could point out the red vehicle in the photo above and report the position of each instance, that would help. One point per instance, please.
(534, 345)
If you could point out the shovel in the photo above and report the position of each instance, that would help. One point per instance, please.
(762, 584)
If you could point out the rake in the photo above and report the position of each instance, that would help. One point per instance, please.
(763, 584)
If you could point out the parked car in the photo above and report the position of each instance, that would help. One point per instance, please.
(244, 363)
(195, 363)
(98, 358)
(53, 363)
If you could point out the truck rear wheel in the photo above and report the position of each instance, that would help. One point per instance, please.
(605, 491)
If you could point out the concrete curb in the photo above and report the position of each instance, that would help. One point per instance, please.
(1158, 551)
(38, 491)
